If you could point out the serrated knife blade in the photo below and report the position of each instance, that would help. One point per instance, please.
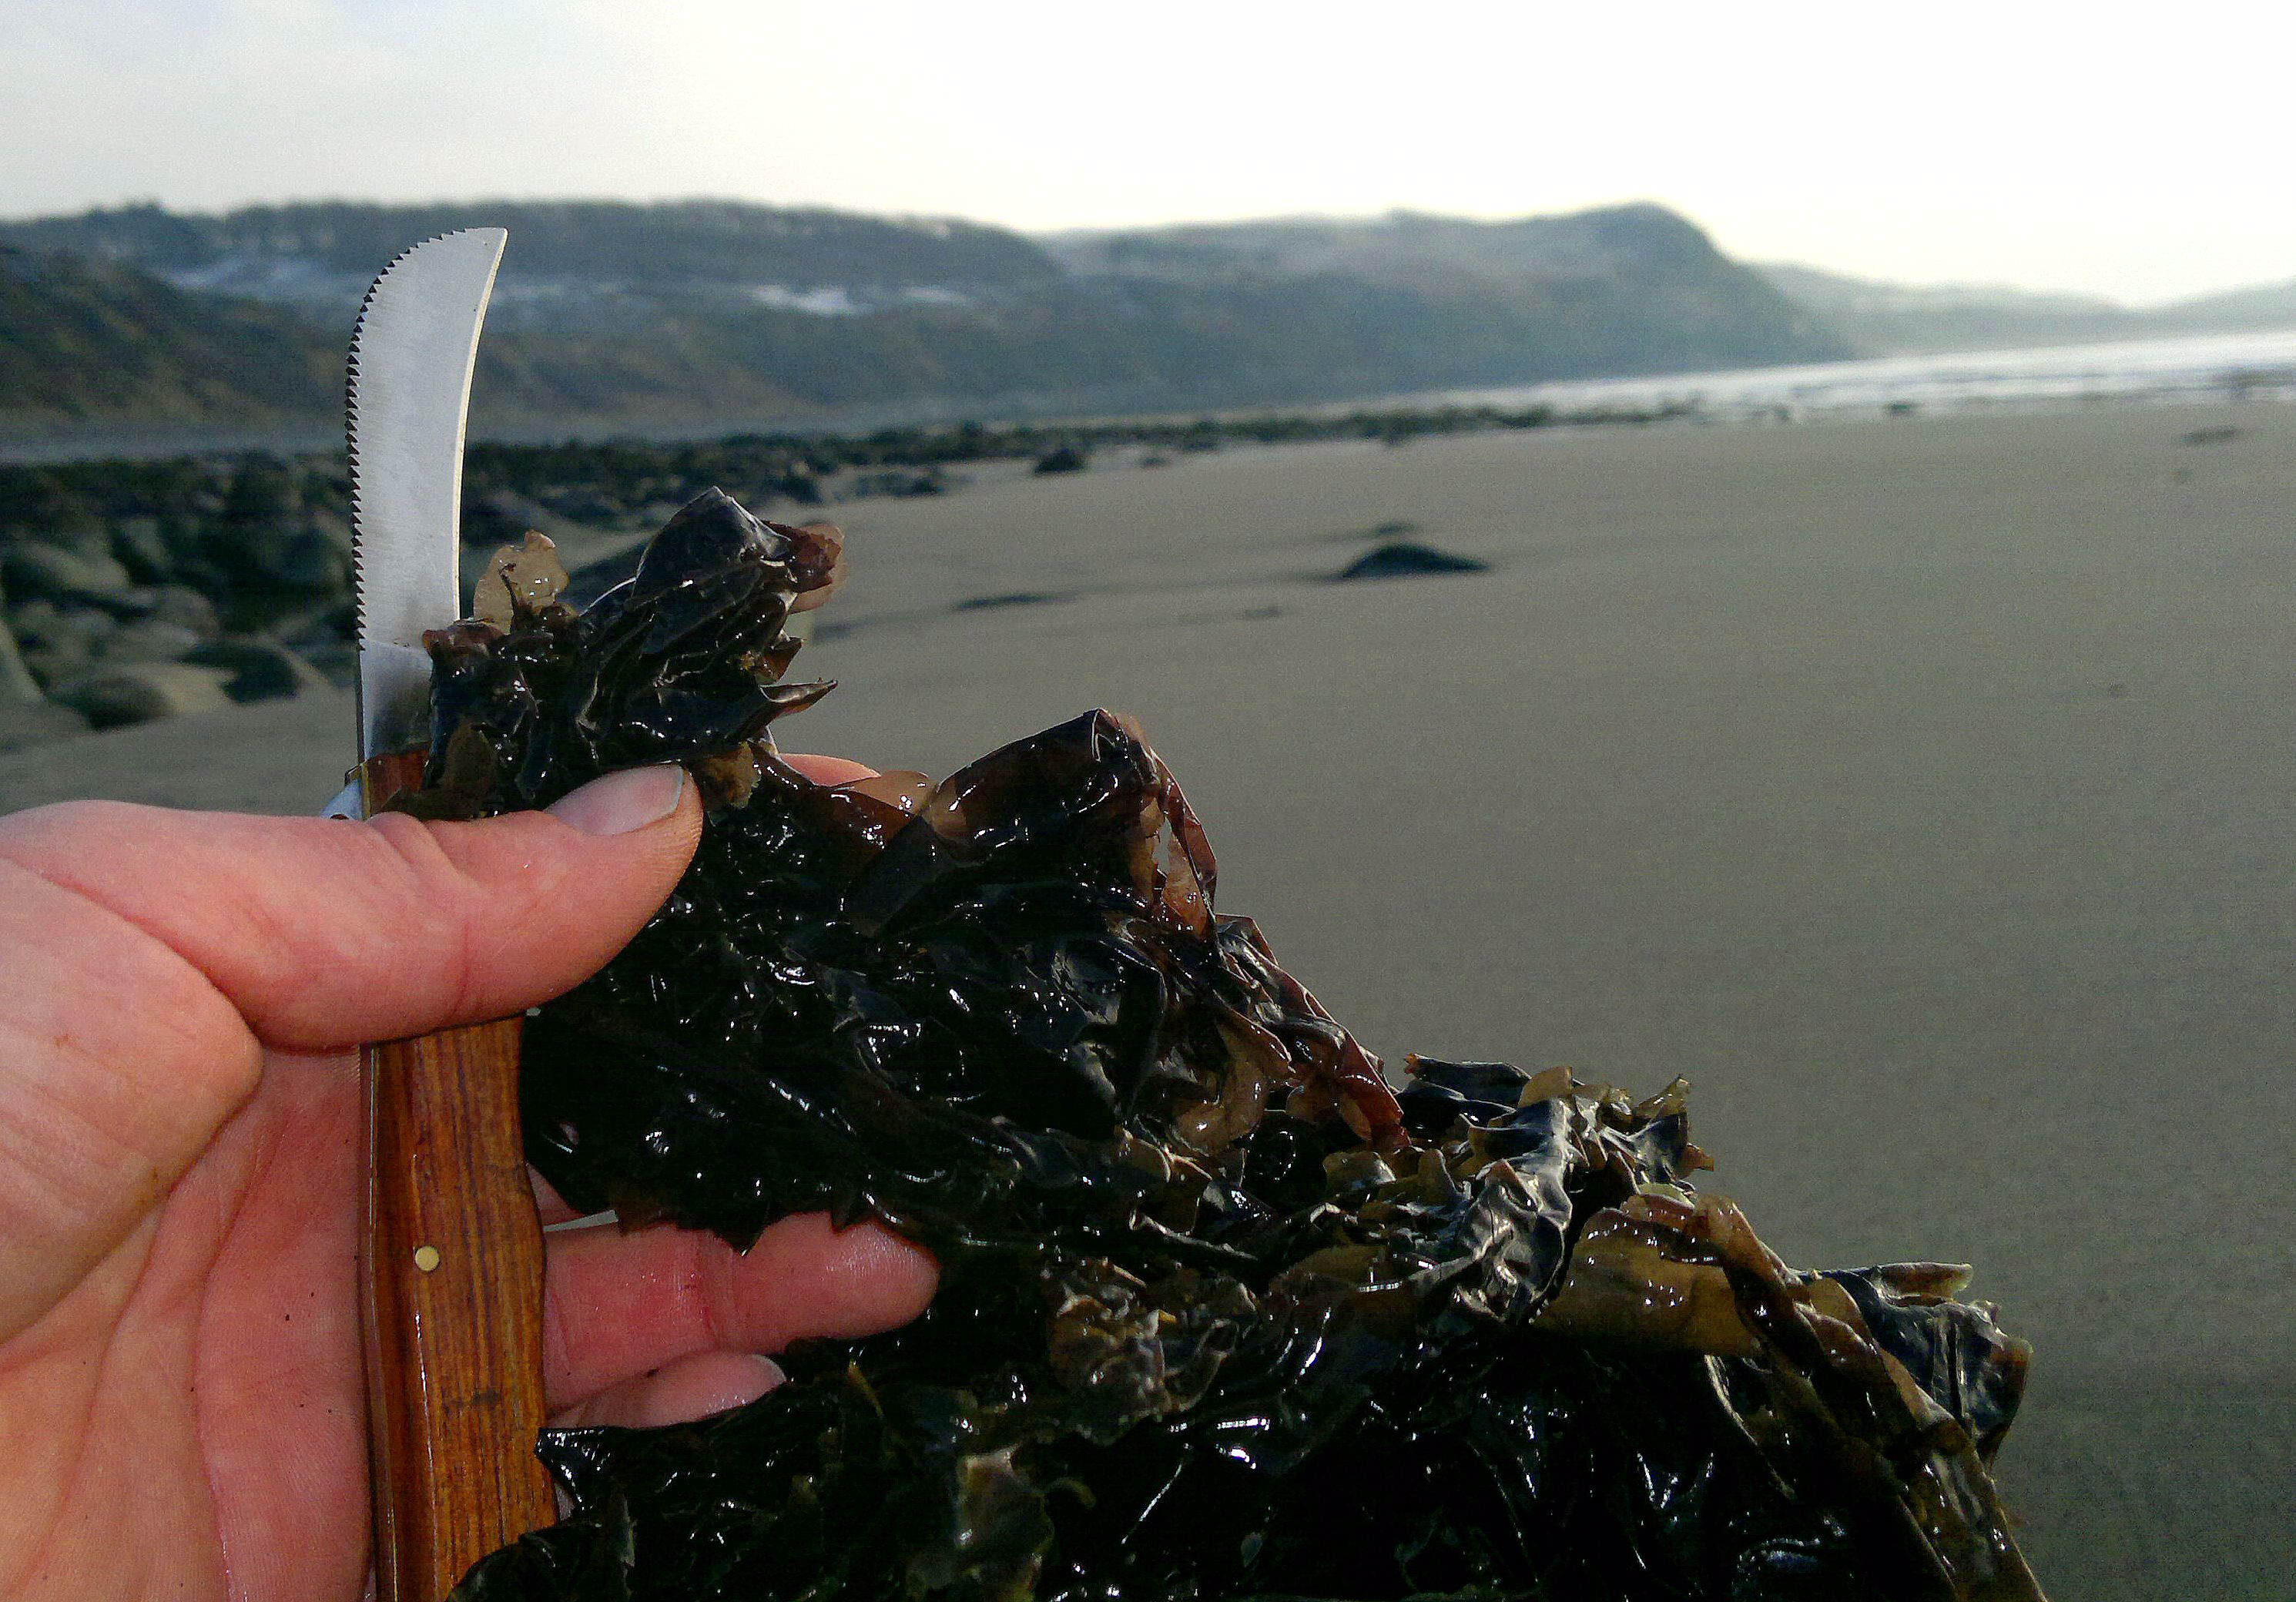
(407, 395)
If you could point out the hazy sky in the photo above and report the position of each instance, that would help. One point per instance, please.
(2140, 150)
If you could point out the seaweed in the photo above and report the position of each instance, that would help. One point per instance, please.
(1223, 1312)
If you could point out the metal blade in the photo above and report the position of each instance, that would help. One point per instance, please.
(408, 394)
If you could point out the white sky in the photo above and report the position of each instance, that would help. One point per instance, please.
(2142, 150)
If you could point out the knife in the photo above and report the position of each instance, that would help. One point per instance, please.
(452, 1249)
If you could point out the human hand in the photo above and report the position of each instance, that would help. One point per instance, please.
(181, 1158)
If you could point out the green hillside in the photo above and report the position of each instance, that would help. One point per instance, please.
(90, 342)
(1620, 290)
(315, 250)
(2264, 306)
(1880, 318)
(714, 315)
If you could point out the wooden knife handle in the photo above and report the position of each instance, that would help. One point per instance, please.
(453, 1299)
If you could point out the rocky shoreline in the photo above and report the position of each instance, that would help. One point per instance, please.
(137, 591)
(132, 591)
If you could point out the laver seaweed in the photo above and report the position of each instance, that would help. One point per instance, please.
(1223, 1314)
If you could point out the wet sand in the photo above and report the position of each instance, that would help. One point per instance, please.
(1922, 790)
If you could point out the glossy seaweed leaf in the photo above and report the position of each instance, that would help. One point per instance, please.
(1222, 1314)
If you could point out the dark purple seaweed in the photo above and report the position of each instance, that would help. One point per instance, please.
(1222, 1314)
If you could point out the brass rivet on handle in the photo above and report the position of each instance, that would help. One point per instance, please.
(426, 1258)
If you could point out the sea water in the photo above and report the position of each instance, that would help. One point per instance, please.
(2253, 365)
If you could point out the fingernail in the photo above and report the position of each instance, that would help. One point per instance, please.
(622, 802)
(711, 1383)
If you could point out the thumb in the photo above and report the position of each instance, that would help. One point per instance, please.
(323, 934)
(145, 954)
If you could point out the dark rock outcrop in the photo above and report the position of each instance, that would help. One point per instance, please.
(1407, 559)
(260, 670)
(37, 570)
(146, 691)
(185, 608)
(59, 642)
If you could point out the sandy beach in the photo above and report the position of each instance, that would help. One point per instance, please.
(1924, 791)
